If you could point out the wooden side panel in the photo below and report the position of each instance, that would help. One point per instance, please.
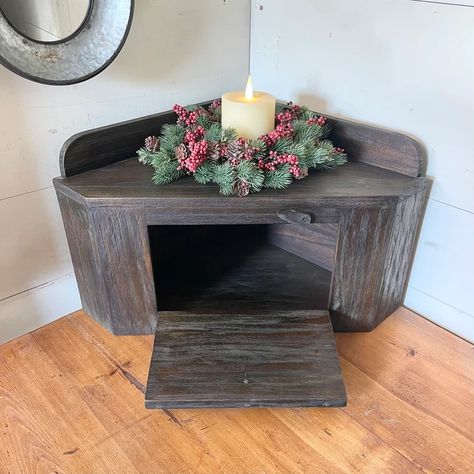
(239, 360)
(373, 260)
(82, 245)
(125, 265)
(314, 242)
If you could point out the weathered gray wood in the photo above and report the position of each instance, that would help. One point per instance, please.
(378, 147)
(294, 217)
(123, 259)
(315, 243)
(240, 360)
(362, 269)
(111, 258)
(105, 145)
(129, 183)
(373, 258)
(237, 263)
(82, 245)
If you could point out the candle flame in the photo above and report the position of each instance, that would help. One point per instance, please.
(249, 89)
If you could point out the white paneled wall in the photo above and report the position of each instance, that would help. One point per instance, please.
(180, 51)
(405, 65)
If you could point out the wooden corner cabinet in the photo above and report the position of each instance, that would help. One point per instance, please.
(242, 293)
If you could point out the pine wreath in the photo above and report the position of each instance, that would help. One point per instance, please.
(197, 145)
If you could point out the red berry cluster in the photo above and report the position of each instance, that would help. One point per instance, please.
(321, 121)
(186, 117)
(274, 160)
(197, 156)
(216, 104)
(339, 150)
(193, 135)
(281, 131)
(250, 152)
(285, 117)
(288, 115)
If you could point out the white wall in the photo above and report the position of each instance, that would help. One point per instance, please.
(405, 65)
(177, 51)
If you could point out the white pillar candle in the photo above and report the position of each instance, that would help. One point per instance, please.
(251, 113)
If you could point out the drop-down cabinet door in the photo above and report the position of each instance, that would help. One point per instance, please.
(271, 358)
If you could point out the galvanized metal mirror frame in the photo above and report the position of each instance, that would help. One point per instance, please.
(80, 56)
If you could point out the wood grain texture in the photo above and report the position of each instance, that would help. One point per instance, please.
(110, 144)
(376, 146)
(125, 264)
(277, 358)
(315, 243)
(373, 259)
(71, 401)
(110, 254)
(82, 246)
(130, 183)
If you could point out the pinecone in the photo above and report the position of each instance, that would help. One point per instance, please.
(152, 143)
(303, 172)
(214, 151)
(181, 153)
(235, 150)
(241, 188)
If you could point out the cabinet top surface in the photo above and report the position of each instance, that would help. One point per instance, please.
(131, 181)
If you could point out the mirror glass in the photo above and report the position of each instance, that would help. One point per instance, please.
(45, 20)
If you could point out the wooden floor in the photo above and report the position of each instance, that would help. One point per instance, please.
(71, 400)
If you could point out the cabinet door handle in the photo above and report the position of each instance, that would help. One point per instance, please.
(294, 217)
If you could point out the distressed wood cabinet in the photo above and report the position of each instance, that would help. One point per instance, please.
(240, 290)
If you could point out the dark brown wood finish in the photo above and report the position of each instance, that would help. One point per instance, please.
(109, 250)
(128, 183)
(315, 242)
(278, 358)
(374, 254)
(378, 147)
(364, 221)
(105, 145)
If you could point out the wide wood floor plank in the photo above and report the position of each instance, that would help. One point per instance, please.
(46, 425)
(424, 440)
(430, 370)
(71, 401)
(351, 447)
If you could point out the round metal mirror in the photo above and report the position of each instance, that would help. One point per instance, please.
(62, 42)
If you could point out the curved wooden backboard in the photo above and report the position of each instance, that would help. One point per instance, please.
(106, 145)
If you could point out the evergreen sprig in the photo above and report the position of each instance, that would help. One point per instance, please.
(278, 179)
(166, 173)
